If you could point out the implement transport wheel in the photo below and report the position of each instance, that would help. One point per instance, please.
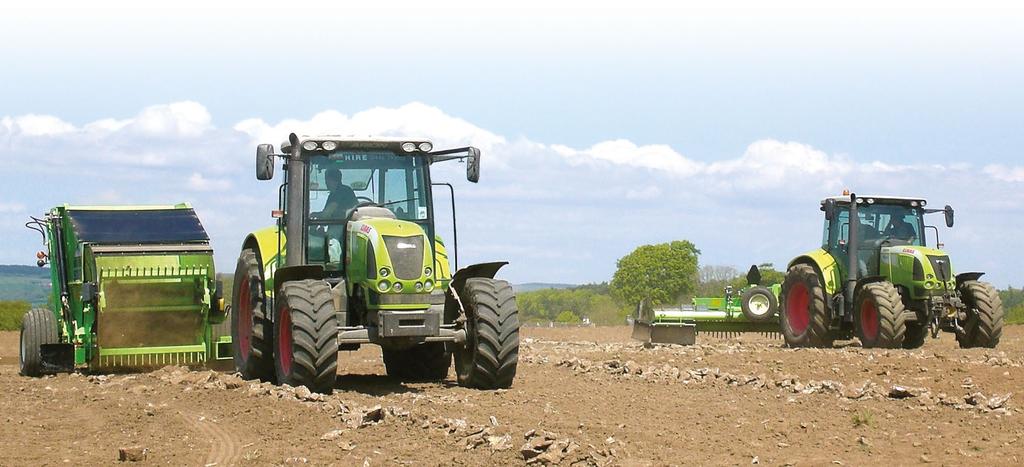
(306, 330)
(759, 304)
(984, 324)
(38, 327)
(878, 315)
(491, 352)
(804, 317)
(915, 335)
(424, 362)
(251, 331)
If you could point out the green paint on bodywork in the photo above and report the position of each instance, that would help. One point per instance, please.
(364, 237)
(897, 264)
(831, 272)
(147, 302)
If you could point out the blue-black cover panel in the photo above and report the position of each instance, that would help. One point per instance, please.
(144, 226)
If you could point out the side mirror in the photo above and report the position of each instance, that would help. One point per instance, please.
(948, 211)
(473, 165)
(830, 209)
(264, 162)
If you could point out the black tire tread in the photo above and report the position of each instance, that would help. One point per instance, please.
(314, 335)
(494, 352)
(985, 318)
(260, 364)
(817, 334)
(773, 305)
(892, 325)
(38, 327)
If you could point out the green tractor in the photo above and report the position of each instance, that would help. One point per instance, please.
(355, 259)
(133, 287)
(753, 309)
(875, 277)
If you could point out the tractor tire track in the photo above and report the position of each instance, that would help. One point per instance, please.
(225, 449)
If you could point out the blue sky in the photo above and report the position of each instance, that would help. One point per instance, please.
(604, 127)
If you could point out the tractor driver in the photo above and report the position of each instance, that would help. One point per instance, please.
(899, 228)
(341, 199)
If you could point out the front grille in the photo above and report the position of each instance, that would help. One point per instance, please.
(406, 256)
(940, 264)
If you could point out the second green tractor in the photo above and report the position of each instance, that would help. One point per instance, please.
(876, 278)
(355, 259)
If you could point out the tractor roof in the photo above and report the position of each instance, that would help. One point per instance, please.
(352, 142)
(881, 199)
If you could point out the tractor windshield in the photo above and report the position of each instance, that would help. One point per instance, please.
(894, 223)
(341, 180)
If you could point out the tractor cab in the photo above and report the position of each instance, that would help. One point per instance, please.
(881, 222)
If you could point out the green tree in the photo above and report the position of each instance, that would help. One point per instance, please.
(567, 317)
(662, 273)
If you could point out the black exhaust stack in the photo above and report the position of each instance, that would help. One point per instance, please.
(852, 246)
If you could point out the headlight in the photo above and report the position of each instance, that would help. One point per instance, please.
(309, 145)
(427, 271)
(397, 287)
(419, 286)
(330, 145)
(408, 147)
(428, 285)
(426, 147)
(383, 286)
(384, 272)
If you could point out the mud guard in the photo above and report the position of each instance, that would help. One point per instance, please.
(57, 358)
(452, 303)
(294, 273)
(968, 276)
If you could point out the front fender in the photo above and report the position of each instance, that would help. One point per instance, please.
(826, 267)
(453, 305)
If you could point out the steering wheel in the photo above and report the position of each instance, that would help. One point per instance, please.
(364, 199)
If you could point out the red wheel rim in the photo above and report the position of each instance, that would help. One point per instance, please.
(244, 319)
(869, 320)
(798, 304)
(284, 340)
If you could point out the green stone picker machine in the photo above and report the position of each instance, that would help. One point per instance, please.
(355, 259)
(876, 277)
(752, 310)
(133, 287)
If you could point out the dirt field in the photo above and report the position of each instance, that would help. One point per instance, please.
(598, 397)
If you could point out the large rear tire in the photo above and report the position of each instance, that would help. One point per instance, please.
(38, 327)
(491, 352)
(985, 315)
(804, 317)
(759, 304)
(306, 331)
(878, 313)
(251, 330)
(424, 362)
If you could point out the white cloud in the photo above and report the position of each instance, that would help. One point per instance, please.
(410, 120)
(36, 125)
(1004, 173)
(198, 182)
(535, 201)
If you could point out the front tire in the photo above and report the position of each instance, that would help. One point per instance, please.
(985, 316)
(424, 362)
(38, 327)
(491, 352)
(804, 317)
(251, 330)
(879, 315)
(759, 304)
(306, 332)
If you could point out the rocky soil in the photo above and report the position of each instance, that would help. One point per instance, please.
(584, 396)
